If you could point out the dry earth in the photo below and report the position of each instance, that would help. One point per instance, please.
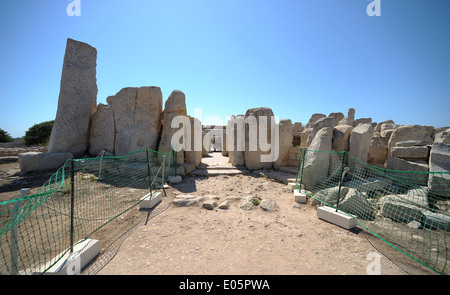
(175, 240)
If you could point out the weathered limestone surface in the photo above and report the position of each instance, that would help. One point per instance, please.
(317, 164)
(313, 119)
(137, 115)
(236, 140)
(349, 119)
(337, 117)
(439, 161)
(256, 159)
(377, 151)
(341, 136)
(408, 132)
(360, 141)
(410, 153)
(37, 162)
(77, 99)
(174, 106)
(102, 135)
(285, 142)
(193, 154)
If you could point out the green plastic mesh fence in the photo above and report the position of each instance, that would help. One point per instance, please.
(78, 199)
(408, 210)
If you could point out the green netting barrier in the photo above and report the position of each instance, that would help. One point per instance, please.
(79, 198)
(408, 210)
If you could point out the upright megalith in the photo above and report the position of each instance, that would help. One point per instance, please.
(102, 136)
(77, 99)
(137, 117)
(236, 140)
(175, 106)
(359, 142)
(285, 142)
(261, 148)
(315, 168)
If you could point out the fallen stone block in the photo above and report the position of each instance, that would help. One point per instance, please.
(37, 162)
(209, 204)
(187, 200)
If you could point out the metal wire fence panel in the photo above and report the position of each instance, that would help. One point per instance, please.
(408, 210)
(77, 200)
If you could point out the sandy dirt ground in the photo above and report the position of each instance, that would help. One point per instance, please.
(192, 240)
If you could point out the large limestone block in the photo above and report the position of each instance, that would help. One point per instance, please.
(377, 150)
(313, 119)
(349, 119)
(260, 149)
(175, 106)
(403, 165)
(285, 142)
(193, 149)
(236, 140)
(137, 115)
(386, 130)
(378, 126)
(360, 141)
(337, 117)
(102, 133)
(37, 162)
(408, 132)
(341, 136)
(77, 99)
(410, 153)
(440, 162)
(316, 163)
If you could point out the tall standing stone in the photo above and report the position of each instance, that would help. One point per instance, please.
(236, 140)
(285, 141)
(360, 141)
(258, 150)
(194, 152)
(316, 163)
(439, 163)
(77, 99)
(102, 133)
(174, 106)
(137, 115)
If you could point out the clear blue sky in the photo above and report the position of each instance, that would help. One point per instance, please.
(297, 57)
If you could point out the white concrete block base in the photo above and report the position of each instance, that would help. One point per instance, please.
(73, 263)
(300, 196)
(149, 201)
(341, 219)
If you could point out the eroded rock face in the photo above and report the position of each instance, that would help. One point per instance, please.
(409, 132)
(102, 134)
(257, 156)
(317, 164)
(174, 106)
(360, 140)
(137, 117)
(77, 100)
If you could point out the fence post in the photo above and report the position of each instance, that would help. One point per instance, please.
(163, 179)
(72, 201)
(300, 166)
(341, 179)
(148, 172)
(14, 246)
